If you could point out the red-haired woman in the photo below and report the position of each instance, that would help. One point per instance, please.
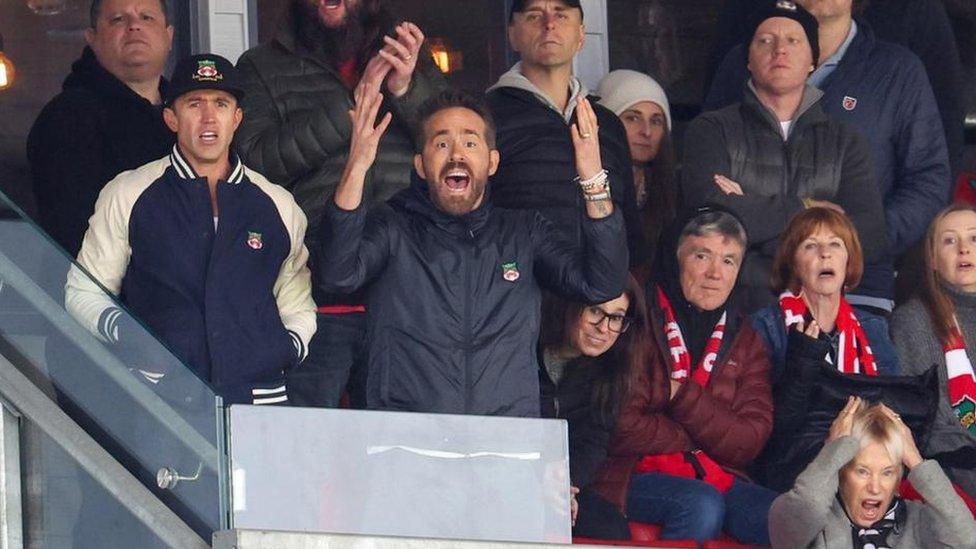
(819, 258)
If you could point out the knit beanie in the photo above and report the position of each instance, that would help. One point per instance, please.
(622, 89)
(789, 10)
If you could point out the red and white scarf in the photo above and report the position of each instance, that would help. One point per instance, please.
(962, 380)
(680, 357)
(854, 354)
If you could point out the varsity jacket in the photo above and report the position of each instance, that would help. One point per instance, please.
(230, 297)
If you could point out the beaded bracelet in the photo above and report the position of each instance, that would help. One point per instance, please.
(605, 195)
(588, 184)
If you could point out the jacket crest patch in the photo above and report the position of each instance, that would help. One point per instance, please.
(849, 103)
(254, 240)
(510, 271)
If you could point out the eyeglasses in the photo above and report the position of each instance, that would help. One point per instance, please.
(615, 323)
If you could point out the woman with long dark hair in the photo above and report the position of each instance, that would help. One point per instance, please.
(938, 326)
(588, 354)
(641, 104)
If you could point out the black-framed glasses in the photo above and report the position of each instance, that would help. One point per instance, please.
(615, 323)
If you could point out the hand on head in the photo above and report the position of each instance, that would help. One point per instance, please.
(844, 421)
(910, 456)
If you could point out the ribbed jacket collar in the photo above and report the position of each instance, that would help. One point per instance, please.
(184, 170)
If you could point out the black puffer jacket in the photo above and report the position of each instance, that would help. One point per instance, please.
(538, 164)
(296, 128)
(822, 159)
(95, 129)
(448, 331)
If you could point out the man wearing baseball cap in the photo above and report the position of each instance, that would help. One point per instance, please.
(205, 251)
(777, 152)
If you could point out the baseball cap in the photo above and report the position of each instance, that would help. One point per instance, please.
(205, 71)
(518, 6)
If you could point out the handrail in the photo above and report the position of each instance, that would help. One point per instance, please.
(136, 498)
(158, 408)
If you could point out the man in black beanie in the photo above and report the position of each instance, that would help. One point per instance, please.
(776, 152)
(882, 90)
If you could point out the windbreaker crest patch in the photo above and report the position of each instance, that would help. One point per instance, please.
(510, 271)
(849, 103)
(254, 240)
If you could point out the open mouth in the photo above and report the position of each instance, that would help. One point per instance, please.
(827, 273)
(871, 509)
(331, 4)
(457, 179)
(965, 266)
(208, 137)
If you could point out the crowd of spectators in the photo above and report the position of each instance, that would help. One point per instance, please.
(329, 218)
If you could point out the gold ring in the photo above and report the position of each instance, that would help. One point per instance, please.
(408, 57)
(585, 135)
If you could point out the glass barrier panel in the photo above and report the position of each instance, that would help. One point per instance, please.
(148, 422)
(399, 474)
(66, 508)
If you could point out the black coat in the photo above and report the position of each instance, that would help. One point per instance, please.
(822, 159)
(538, 164)
(447, 330)
(96, 128)
(296, 127)
(809, 393)
(572, 400)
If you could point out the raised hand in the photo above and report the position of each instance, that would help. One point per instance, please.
(844, 422)
(400, 54)
(910, 456)
(586, 140)
(366, 134)
(810, 330)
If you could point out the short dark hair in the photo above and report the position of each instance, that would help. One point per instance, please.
(715, 222)
(450, 99)
(96, 10)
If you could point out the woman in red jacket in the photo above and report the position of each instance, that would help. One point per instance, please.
(700, 408)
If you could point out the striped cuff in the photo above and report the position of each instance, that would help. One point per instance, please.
(299, 345)
(108, 324)
(274, 395)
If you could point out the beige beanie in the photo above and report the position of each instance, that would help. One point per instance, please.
(621, 89)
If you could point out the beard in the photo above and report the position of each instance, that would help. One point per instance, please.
(458, 205)
(338, 43)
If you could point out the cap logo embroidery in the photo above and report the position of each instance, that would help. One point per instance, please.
(785, 5)
(207, 72)
(254, 240)
(849, 103)
(510, 271)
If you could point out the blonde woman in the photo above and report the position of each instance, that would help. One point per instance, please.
(848, 498)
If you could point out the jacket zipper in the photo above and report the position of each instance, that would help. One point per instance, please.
(467, 322)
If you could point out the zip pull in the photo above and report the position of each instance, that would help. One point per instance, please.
(471, 233)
